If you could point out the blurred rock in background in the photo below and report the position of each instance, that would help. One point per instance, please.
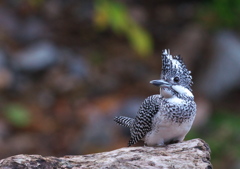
(221, 76)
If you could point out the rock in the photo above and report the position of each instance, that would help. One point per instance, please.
(35, 58)
(189, 154)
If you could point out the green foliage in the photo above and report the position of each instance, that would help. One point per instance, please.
(221, 13)
(109, 13)
(224, 137)
(17, 115)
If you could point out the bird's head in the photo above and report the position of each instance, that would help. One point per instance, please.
(175, 77)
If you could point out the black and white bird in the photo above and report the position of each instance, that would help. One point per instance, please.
(167, 117)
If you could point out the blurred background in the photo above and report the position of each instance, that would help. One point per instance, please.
(68, 67)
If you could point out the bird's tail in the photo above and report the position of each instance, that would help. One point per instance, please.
(124, 121)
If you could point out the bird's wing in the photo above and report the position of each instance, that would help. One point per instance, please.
(143, 121)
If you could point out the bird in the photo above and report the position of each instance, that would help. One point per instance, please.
(164, 118)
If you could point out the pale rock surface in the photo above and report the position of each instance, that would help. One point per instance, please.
(194, 154)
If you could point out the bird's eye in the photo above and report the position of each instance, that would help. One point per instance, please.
(176, 79)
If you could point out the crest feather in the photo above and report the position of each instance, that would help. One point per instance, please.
(174, 66)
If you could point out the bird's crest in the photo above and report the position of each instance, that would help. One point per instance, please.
(173, 66)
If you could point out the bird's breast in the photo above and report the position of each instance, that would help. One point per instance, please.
(165, 132)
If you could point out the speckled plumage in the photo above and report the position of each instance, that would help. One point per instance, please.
(166, 117)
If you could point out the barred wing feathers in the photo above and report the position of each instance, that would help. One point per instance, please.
(142, 124)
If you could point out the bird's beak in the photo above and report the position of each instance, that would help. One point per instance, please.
(160, 83)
